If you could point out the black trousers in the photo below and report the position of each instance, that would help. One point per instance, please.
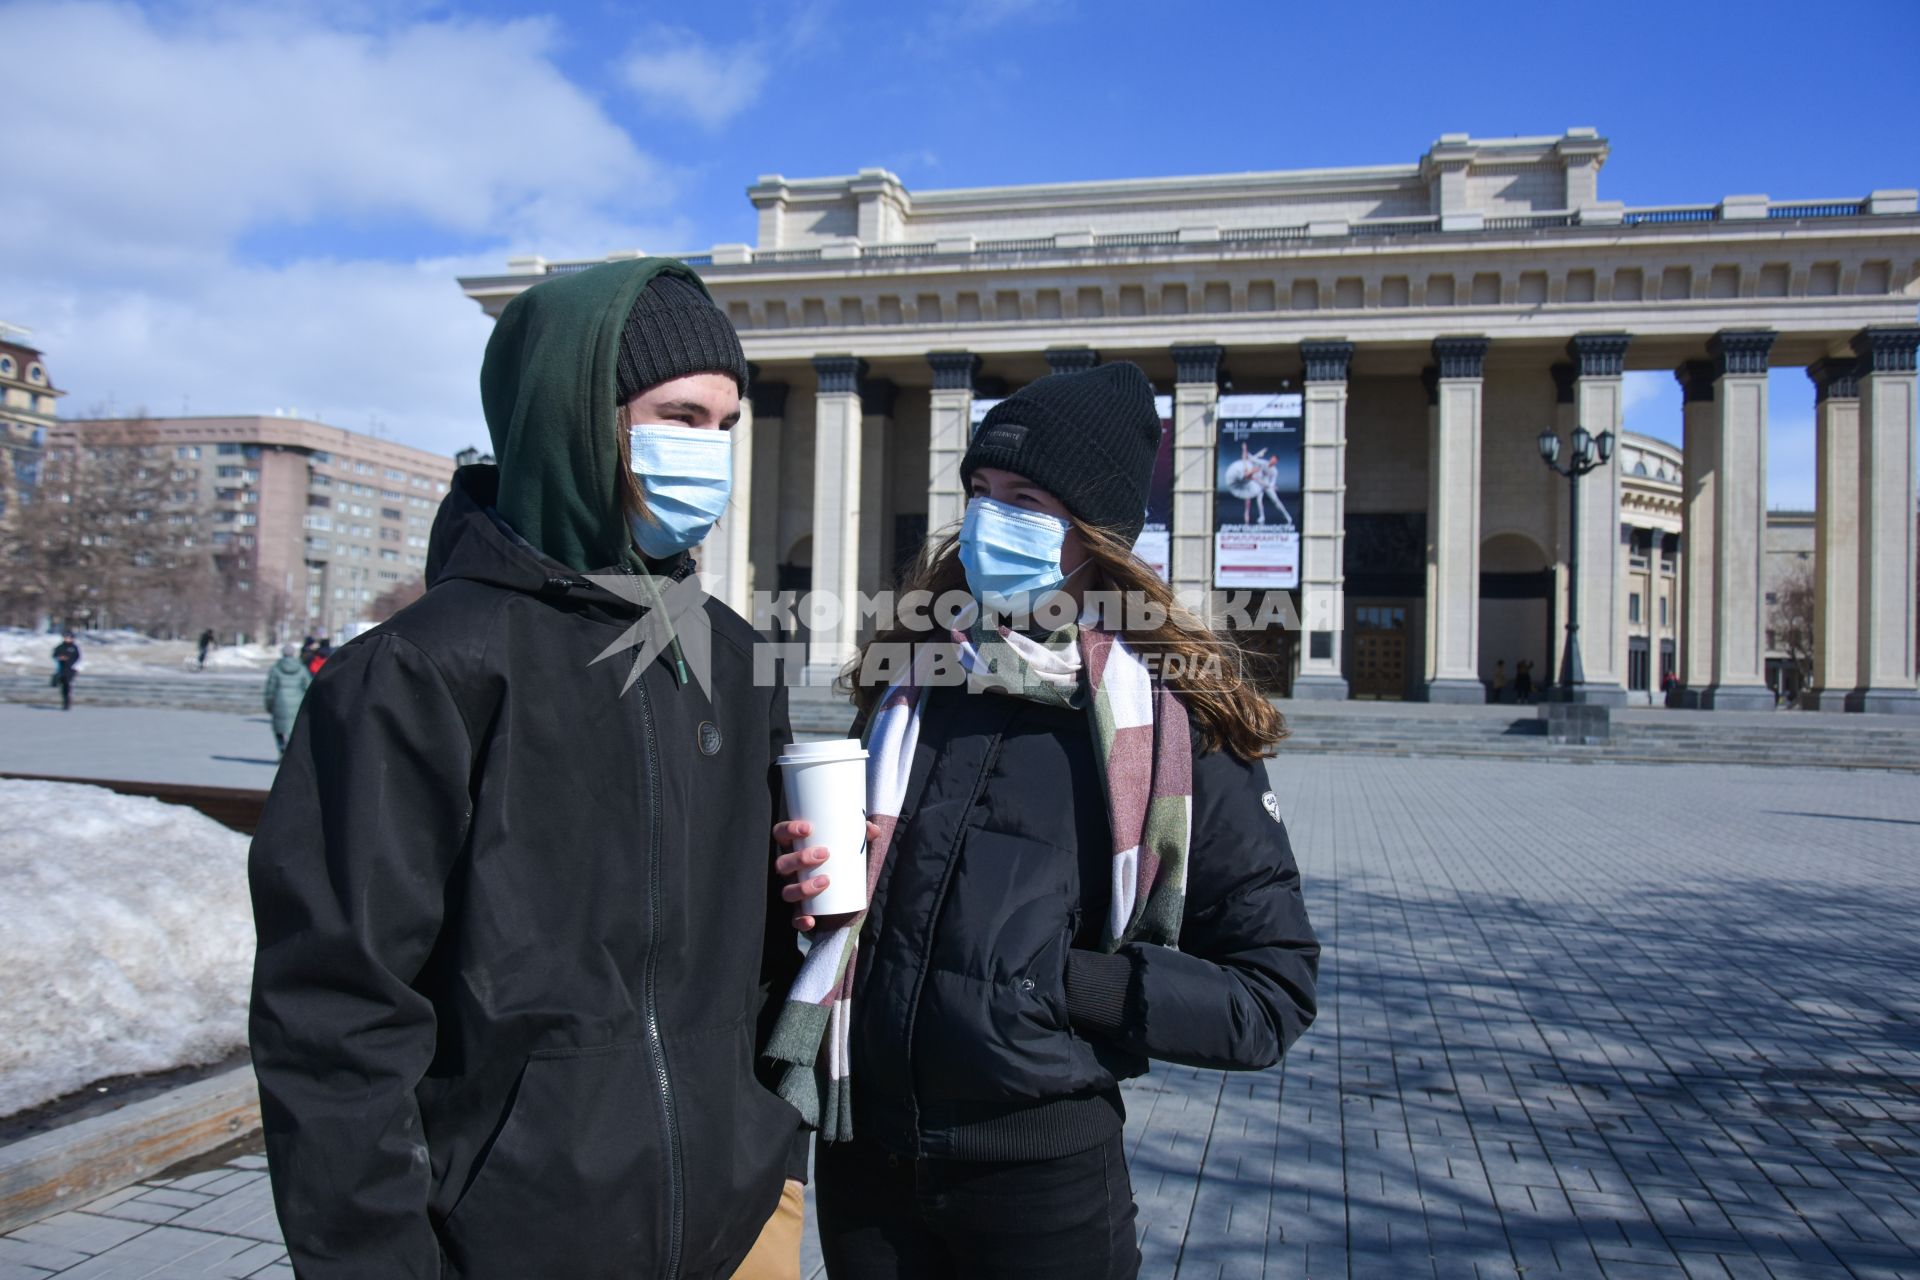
(890, 1218)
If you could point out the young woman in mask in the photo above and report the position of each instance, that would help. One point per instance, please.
(519, 947)
(1080, 868)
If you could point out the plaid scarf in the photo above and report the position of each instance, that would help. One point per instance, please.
(1144, 753)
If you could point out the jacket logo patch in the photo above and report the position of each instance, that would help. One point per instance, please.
(709, 738)
(1271, 803)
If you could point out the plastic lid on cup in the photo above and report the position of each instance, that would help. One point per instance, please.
(833, 749)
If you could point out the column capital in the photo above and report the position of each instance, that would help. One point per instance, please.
(1740, 350)
(1199, 363)
(1599, 355)
(1326, 361)
(953, 370)
(1071, 359)
(1460, 357)
(769, 399)
(839, 375)
(1886, 349)
(1430, 383)
(1696, 381)
(877, 397)
(1564, 375)
(1835, 378)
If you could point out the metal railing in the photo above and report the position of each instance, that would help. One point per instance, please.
(1530, 221)
(1030, 244)
(1817, 209)
(1261, 235)
(1395, 226)
(1669, 213)
(1135, 239)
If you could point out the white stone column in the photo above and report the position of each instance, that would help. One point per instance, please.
(837, 455)
(1566, 416)
(1453, 523)
(877, 396)
(1886, 592)
(724, 558)
(1700, 446)
(763, 527)
(1599, 359)
(1740, 522)
(949, 420)
(1323, 540)
(1196, 401)
(1836, 532)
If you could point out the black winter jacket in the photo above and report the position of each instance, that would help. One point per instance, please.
(987, 1024)
(518, 935)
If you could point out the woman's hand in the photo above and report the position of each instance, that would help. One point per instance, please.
(797, 861)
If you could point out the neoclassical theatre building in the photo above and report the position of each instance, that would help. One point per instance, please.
(1436, 316)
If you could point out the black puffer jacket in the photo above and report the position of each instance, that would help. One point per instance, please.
(987, 1025)
(518, 932)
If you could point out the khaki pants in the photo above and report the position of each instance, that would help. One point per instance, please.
(776, 1254)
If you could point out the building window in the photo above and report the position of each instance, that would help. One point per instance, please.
(6, 366)
(1663, 611)
(36, 375)
(1633, 610)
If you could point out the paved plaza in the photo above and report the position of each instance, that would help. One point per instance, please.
(138, 744)
(1614, 1020)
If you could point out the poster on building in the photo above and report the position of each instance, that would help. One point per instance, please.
(1155, 544)
(1256, 492)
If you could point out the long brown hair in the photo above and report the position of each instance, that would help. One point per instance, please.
(1210, 677)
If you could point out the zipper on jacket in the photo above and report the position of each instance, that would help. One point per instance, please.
(939, 907)
(656, 1043)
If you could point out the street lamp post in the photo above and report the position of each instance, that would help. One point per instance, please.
(1588, 453)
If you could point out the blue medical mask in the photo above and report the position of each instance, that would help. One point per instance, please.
(685, 475)
(1011, 555)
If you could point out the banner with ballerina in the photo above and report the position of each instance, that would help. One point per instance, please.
(1256, 492)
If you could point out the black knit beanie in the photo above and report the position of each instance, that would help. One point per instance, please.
(1088, 438)
(673, 330)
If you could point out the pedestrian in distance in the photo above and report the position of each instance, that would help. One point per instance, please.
(206, 643)
(307, 646)
(66, 665)
(287, 683)
(1496, 692)
(1084, 870)
(322, 650)
(520, 936)
(1523, 680)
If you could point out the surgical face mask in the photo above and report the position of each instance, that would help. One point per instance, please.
(1011, 555)
(685, 475)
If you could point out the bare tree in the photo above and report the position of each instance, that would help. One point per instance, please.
(396, 598)
(1790, 618)
(94, 539)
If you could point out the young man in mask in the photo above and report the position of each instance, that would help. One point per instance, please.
(517, 930)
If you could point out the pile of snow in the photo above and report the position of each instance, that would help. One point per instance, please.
(126, 937)
(129, 653)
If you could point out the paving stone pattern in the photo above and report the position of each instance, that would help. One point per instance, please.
(1623, 1022)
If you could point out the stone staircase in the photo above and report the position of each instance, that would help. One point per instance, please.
(223, 691)
(1648, 735)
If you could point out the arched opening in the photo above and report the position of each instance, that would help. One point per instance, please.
(1516, 617)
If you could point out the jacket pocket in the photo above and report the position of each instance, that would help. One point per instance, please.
(992, 1018)
(575, 1182)
(735, 1136)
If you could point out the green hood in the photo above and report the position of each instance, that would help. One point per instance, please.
(548, 387)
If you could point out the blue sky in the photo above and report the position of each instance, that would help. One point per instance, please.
(245, 208)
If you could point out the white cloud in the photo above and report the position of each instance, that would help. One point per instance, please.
(675, 73)
(163, 146)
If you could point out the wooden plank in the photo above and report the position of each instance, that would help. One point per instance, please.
(66, 1167)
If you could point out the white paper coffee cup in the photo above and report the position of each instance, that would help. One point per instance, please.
(826, 786)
